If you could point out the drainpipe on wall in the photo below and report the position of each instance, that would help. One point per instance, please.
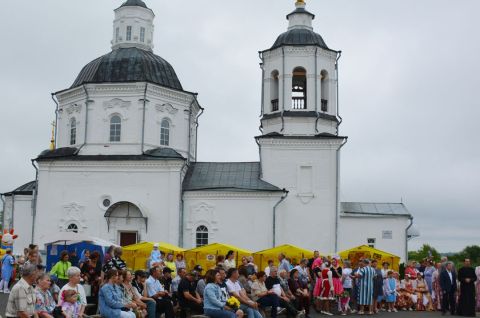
(339, 55)
(274, 223)
(56, 120)
(316, 90)
(3, 209)
(262, 102)
(406, 238)
(182, 212)
(196, 128)
(87, 100)
(143, 118)
(283, 89)
(34, 202)
(337, 195)
(11, 225)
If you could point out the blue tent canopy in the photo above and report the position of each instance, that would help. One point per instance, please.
(54, 249)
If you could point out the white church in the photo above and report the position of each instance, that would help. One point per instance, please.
(124, 164)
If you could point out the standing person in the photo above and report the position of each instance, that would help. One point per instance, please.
(283, 263)
(74, 278)
(73, 258)
(110, 300)
(366, 276)
(448, 283)
(22, 299)
(428, 275)
(155, 256)
(229, 260)
(116, 262)
(377, 287)
(317, 290)
(215, 304)
(327, 290)
(60, 269)
(269, 265)
(8, 262)
(437, 289)
(159, 294)
(247, 305)
(337, 277)
(477, 272)
(385, 269)
(252, 268)
(390, 287)
(108, 254)
(303, 271)
(180, 262)
(467, 278)
(169, 262)
(92, 272)
(347, 286)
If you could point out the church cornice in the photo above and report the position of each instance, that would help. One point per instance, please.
(295, 51)
(306, 142)
(236, 195)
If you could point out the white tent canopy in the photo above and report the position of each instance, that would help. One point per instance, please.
(69, 238)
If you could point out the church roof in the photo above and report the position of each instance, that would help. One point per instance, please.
(26, 189)
(374, 209)
(70, 153)
(129, 65)
(299, 37)
(226, 176)
(133, 3)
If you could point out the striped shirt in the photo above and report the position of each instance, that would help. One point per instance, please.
(365, 291)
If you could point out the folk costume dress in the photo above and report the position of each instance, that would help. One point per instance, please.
(337, 280)
(365, 287)
(327, 288)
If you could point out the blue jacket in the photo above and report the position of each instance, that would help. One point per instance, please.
(212, 297)
(110, 301)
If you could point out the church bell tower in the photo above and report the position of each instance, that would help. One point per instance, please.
(300, 144)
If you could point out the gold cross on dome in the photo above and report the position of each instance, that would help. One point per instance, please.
(301, 1)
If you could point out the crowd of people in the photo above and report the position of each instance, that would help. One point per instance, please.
(77, 285)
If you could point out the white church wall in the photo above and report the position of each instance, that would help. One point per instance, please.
(243, 219)
(388, 232)
(73, 193)
(307, 169)
(126, 101)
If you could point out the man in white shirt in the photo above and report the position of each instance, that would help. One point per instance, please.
(247, 305)
(156, 291)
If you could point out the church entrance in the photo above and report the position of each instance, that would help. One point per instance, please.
(126, 223)
(128, 238)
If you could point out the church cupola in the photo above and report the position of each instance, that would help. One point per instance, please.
(299, 80)
(133, 26)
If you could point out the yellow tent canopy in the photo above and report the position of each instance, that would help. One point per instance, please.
(293, 252)
(136, 256)
(206, 256)
(365, 251)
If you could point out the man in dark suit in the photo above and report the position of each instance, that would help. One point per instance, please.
(448, 284)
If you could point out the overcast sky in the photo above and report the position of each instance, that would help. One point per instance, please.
(409, 90)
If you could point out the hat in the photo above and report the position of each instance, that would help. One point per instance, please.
(156, 245)
(167, 270)
(198, 268)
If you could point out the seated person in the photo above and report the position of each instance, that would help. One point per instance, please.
(156, 291)
(187, 295)
(247, 305)
(273, 284)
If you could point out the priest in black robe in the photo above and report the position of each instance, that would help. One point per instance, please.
(467, 278)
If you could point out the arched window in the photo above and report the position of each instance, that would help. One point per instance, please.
(115, 128)
(324, 90)
(299, 88)
(72, 228)
(274, 85)
(202, 236)
(73, 131)
(165, 133)
(129, 33)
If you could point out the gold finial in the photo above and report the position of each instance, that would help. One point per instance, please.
(300, 2)
(52, 140)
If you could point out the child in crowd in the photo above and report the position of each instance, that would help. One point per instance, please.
(390, 290)
(8, 262)
(70, 305)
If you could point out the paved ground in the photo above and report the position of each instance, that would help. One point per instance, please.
(403, 314)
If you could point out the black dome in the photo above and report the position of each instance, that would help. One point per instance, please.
(129, 65)
(300, 37)
(132, 3)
